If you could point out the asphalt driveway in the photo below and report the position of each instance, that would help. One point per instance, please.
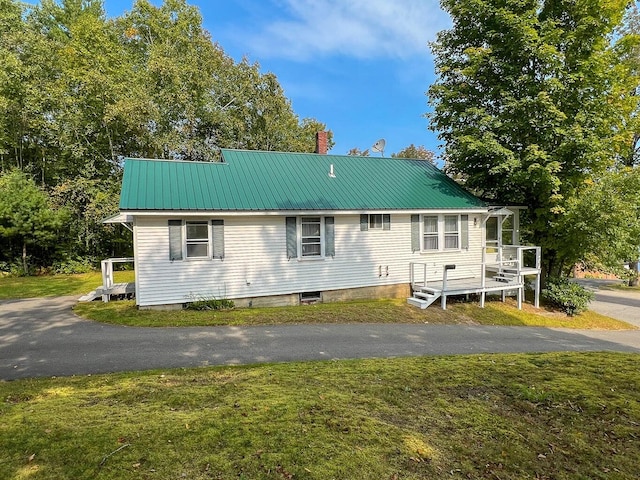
(623, 305)
(42, 337)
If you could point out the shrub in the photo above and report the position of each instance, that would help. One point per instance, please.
(69, 266)
(199, 302)
(567, 296)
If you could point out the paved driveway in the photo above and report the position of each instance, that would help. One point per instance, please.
(623, 305)
(42, 337)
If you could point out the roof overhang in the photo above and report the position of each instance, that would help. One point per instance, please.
(258, 213)
(495, 211)
(123, 219)
(119, 218)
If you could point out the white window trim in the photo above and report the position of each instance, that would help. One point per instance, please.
(311, 258)
(186, 242)
(376, 228)
(441, 233)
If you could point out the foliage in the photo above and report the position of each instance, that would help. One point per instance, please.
(204, 303)
(603, 221)
(413, 152)
(532, 100)
(80, 91)
(569, 297)
(26, 218)
(75, 265)
(551, 415)
(356, 152)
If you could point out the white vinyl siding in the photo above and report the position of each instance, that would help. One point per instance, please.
(256, 261)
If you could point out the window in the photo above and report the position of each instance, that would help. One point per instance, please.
(451, 234)
(430, 227)
(375, 221)
(196, 239)
(310, 237)
(507, 231)
(434, 233)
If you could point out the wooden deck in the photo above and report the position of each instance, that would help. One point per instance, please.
(423, 296)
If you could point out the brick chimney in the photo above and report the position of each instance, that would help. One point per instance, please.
(321, 143)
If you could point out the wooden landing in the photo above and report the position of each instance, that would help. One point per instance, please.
(118, 290)
(462, 286)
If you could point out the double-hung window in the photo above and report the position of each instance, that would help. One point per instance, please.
(451, 232)
(196, 239)
(430, 232)
(436, 233)
(310, 237)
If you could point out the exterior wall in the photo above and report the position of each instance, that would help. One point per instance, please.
(255, 265)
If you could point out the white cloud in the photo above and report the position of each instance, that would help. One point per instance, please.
(304, 29)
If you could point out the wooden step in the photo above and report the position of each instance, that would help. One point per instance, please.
(418, 302)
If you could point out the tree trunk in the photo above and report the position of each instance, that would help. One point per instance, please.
(634, 280)
(24, 258)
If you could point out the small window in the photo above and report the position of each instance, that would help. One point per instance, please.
(451, 237)
(507, 231)
(430, 232)
(197, 239)
(375, 221)
(311, 236)
(310, 297)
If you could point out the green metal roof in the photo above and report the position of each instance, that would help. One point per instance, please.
(274, 181)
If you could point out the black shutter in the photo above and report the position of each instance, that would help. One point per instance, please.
(292, 238)
(175, 240)
(329, 237)
(218, 238)
(415, 233)
(464, 232)
(364, 222)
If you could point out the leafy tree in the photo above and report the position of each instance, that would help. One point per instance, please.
(604, 221)
(413, 152)
(532, 100)
(26, 216)
(356, 152)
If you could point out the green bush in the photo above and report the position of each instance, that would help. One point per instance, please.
(567, 296)
(70, 266)
(199, 302)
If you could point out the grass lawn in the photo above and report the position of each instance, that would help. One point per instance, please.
(387, 311)
(536, 416)
(56, 285)
(379, 311)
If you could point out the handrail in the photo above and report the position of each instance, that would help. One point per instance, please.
(107, 269)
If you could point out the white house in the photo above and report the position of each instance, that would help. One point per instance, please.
(272, 228)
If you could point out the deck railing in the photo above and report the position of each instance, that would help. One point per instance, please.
(107, 273)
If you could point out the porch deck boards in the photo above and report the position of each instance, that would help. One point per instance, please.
(463, 286)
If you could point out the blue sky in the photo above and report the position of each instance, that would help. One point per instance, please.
(360, 66)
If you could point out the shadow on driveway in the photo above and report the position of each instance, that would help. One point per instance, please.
(42, 337)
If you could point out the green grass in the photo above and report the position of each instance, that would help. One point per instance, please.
(379, 311)
(559, 415)
(56, 285)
